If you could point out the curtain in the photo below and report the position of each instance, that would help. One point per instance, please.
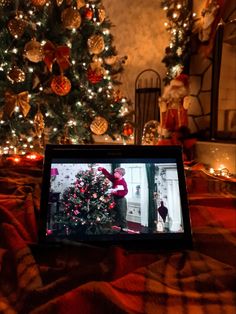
(150, 168)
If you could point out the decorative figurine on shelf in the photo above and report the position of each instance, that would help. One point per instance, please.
(174, 105)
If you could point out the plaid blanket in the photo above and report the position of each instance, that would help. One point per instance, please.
(88, 279)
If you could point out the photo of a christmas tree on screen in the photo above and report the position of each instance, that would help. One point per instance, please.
(59, 75)
(87, 204)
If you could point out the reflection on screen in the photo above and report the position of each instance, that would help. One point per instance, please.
(107, 199)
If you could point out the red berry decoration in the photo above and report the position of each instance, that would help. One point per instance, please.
(61, 85)
(128, 129)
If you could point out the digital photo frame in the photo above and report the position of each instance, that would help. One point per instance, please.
(83, 200)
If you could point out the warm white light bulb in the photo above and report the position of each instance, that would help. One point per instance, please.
(211, 170)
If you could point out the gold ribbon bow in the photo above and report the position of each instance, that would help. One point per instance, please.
(59, 54)
(12, 101)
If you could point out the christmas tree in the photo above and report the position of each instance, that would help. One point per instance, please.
(59, 75)
(88, 204)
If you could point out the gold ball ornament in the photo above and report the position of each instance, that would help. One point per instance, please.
(96, 44)
(38, 3)
(16, 75)
(61, 85)
(16, 26)
(71, 18)
(99, 125)
(33, 51)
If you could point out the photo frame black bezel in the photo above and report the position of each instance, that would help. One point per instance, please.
(102, 153)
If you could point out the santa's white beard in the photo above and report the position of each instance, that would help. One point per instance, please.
(175, 92)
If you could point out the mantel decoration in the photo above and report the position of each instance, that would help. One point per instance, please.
(179, 24)
(58, 73)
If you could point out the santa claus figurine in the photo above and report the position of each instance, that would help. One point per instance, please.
(174, 105)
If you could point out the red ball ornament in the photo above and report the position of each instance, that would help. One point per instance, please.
(61, 85)
(94, 76)
(128, 129)
(112, 205)
(88, 14)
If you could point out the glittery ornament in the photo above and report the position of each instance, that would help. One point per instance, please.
(33, 51)
(96, 44)
(61, 85)
(16, 26)
(39, 123)
(38, 3)
(99, 125)
(101, 14)
(117, 95)
(16, 75)
(71, 18)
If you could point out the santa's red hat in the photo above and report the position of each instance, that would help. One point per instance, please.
(180, 80)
